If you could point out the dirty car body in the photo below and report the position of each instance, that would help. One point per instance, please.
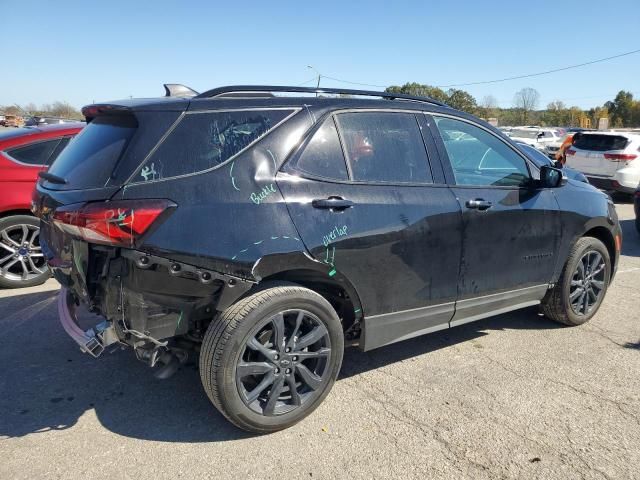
(165, 214)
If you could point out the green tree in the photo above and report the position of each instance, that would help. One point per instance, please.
(419, 90)
(621, 109)
(461, 100)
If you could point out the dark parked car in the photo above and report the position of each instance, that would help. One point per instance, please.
(540, 159)
(24, 152)
(39, 121)
(267, 231)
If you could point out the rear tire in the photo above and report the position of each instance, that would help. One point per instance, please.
(257, 364)
(582, 285)
(22, 263)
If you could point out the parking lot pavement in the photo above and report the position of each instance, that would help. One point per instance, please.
(514, 396)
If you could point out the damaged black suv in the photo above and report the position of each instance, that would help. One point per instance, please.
(267, 227)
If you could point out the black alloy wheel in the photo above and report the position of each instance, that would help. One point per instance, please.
(587, 282)
(270, 359)
(284, 362)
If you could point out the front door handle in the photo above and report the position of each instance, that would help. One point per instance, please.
(479, 204)
(332, 203)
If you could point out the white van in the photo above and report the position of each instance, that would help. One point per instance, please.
(610, 160)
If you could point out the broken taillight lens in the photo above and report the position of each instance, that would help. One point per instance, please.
(117, 223)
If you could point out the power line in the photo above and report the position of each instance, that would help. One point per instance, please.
(546, 72)
(484, 82)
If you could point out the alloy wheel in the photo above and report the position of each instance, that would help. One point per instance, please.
(21, 257)
(587, 282)
(284, 363)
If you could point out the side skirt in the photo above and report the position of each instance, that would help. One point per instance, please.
(388, 328)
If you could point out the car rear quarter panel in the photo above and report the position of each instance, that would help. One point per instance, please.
(232, 216)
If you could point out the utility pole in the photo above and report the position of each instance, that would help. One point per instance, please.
(319, 76)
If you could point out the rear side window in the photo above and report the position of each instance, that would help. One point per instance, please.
(323, 156)
(89, 160)
(37, 153)
(599, 143)
(202, 141)
(384, 147)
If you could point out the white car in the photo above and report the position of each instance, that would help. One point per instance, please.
(536, 137)
(608, 159)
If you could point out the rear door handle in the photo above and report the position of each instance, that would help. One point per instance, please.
(479, 204)
(332, 203)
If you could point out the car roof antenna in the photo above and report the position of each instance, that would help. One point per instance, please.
(178, 90)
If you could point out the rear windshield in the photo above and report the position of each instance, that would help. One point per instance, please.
(600, 143)
(89, 159)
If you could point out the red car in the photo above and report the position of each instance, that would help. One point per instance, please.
(24, 152)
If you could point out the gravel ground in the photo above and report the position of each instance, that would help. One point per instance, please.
(514, 396)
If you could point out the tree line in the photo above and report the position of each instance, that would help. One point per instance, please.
(55, 109)
(622, 111)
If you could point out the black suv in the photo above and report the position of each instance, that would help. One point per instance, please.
(266, 230)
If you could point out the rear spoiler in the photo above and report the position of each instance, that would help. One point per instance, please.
(92, 111)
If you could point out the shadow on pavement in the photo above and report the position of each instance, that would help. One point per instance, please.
(48, 384)
(630, 238)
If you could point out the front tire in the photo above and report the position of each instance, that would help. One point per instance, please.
(582, 286)
(22, 263)
(270, 359)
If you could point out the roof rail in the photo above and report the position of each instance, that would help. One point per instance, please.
(253, 90)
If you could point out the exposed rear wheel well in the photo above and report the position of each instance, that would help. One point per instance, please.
(331, 290)
(605, 236)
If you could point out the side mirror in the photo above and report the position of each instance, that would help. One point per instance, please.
(540, 135)
(551, 177)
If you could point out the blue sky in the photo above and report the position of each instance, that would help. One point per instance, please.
(84, 51)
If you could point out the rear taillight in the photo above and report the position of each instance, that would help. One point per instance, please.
(118, 223)
(570, 151)
(620, 156)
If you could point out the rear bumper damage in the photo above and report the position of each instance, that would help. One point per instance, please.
(157, 306)
(92, 341)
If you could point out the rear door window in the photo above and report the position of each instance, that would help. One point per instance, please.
(36, 154)
(89, 160)
(599, 143)
(322, 156)
(384, 147)
(202, 141)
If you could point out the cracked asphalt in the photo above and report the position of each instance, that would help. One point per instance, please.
(514, 396)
